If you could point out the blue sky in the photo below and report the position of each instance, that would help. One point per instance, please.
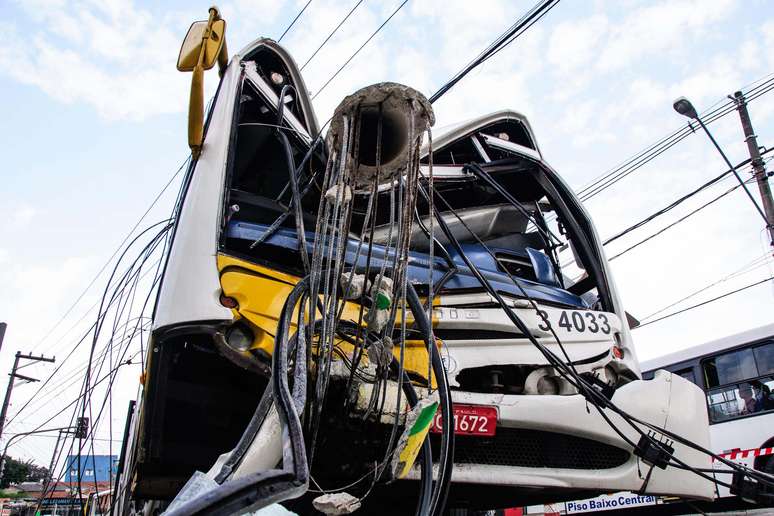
(94, 125)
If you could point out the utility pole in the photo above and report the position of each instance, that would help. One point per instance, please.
(13, 376)
(3, 326)
(759, 168)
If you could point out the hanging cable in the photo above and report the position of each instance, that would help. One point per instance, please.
(331, 35)
(755, 264)
(598, 400)
(675, 223)
(712, 300)
(359, 49)
(525, 22)
(294, 20)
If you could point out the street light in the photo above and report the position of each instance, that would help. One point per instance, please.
(683, 106)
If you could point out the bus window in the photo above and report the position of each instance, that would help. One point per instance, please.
(687, 373)
(730, 368)
(742, 399)
(764, 358)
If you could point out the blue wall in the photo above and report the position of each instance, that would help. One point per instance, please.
(94, 468)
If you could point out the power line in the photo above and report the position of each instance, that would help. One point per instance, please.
(331, 35)
(94, 326)
(514, 31)
(757, 263)
(294, 20)
(645, 156)
(359, 49)
(673, 224)
(668, 208)
(117, 250)
(706, 302)
(37, 436)
(679, 201)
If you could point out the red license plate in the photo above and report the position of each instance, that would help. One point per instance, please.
(476, 420)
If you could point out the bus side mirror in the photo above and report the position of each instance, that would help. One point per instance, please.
(204, 45)
(199, 38)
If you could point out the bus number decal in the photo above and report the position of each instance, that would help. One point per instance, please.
(573, 320)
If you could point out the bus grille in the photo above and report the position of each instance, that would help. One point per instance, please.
(534, 449)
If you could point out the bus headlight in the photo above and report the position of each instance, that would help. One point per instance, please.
(239, 337)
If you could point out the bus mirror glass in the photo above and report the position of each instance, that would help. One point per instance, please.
(192, 45)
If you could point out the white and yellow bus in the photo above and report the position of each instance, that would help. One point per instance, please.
(524, 433)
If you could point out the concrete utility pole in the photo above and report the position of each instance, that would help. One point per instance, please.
(759, 167)
(3, 326)
(13, 376)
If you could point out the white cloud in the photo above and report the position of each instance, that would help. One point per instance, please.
(114, 56)
(664, 26)
(575, 44)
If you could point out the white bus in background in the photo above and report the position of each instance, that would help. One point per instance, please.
(737, 375)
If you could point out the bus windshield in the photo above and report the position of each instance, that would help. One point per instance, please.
(739, 383)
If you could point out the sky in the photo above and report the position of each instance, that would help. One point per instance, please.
(94, 126)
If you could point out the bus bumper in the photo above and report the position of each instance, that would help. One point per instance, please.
(561, 443)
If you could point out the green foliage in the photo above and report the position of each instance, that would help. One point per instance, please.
(4, 494)
(16, 471)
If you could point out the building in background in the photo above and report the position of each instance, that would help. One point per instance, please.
(93, 468)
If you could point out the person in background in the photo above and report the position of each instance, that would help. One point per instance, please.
(751, 403)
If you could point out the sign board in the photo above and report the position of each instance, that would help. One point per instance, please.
(609, 502)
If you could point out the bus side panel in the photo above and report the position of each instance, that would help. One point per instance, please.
(190, 288)
(740, 434)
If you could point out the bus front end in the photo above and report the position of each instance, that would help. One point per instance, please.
(524, 431)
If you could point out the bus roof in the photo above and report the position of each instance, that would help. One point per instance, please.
(710, 347)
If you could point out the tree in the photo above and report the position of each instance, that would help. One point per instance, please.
(37, 473)
(14, 472)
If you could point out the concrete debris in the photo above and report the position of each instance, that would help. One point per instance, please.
(381, 351)
(339, 193)
(336, 503)
(381, 298)
(406, 114)
(356, 288)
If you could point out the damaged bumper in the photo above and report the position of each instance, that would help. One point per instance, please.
(529, 431)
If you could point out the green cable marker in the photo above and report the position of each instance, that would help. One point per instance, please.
(383, 301)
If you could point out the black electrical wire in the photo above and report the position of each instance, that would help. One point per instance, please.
(648, 154)
(673, 224)
(726, 294)
(446, 457)
(668, 208)
(526, 21)
(595, 397)
(359, 49)
(331, 35)
(93, 327)
(294, 20)
(126, 280)
(115, 252)
(292, 178)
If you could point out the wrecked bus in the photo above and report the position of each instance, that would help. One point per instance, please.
(497, 217)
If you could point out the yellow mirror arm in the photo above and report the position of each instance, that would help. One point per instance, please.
(222, 59)
(196, 111)
(196, 101)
